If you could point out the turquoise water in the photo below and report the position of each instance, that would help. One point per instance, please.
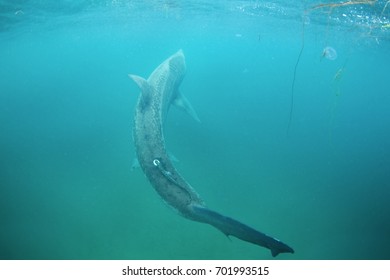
(318, 181)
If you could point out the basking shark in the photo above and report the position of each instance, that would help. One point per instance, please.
(158, 92)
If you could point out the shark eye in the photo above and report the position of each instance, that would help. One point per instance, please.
(156, 162)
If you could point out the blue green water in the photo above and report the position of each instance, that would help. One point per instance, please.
(66, 108)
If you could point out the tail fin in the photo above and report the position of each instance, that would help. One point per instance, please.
(235, 228)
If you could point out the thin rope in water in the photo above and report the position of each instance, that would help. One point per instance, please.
(295, 73)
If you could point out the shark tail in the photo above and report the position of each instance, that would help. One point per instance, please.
(235, 228)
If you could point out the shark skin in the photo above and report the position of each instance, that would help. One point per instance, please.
(158, 92)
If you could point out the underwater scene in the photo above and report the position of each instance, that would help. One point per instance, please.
(293, 99)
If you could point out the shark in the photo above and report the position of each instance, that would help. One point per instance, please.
(158, 92)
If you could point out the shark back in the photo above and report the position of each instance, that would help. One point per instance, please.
(157, 94)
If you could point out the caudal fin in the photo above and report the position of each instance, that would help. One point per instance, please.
(235, 228)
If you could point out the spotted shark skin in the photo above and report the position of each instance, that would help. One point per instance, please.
(158, 92)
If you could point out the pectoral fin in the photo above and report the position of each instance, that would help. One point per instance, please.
(135, 164)
(141, 82)
(182, 102)
(146, 89)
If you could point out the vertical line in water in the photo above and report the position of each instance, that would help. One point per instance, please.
(295, 73)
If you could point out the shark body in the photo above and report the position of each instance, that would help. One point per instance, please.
(158, 92)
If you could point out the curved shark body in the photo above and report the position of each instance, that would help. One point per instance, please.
(158, 92)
